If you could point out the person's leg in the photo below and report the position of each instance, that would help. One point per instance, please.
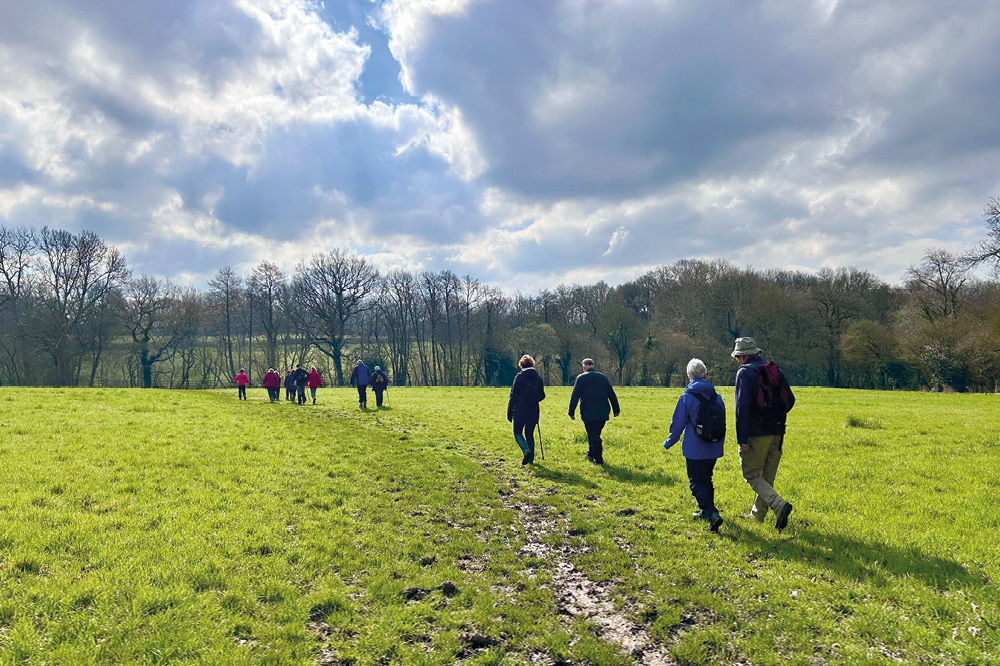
(700, 481)
(378, 398)
(596, 444)
(312, 392)
(302, 394)
(752, 463)
(522, 443)
(243, 392)
(361, 395)
(529, 437)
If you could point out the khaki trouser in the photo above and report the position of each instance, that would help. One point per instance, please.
(760, 465)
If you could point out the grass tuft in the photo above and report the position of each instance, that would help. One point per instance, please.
(867, 422)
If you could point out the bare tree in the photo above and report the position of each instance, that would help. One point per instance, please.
(159, 320)
(78, 275)
(333, 288)
(227, 293)
(937, 284)
(267, 284)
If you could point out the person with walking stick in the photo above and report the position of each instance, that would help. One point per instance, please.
(526, 392)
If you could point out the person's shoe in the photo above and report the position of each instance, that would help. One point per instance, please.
(714, 521)
(782, 520)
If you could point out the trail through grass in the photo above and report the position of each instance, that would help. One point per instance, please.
(175, 527)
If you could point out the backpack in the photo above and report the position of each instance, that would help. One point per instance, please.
(710, 423)
(771, 400)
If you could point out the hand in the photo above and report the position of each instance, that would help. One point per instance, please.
(510, 418)
(616, 414)
(744, 447)
(666, 443)
(572, 417)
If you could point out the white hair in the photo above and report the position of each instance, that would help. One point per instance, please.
(696, 369)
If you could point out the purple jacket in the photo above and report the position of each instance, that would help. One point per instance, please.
(748, 423)
(685, 414)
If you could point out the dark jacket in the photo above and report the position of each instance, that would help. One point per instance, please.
(379, 381)
(290, 380)
(685, 415)
(748, 422)
(301, 376)
(594, 393)
(361, 375)
(526, 392)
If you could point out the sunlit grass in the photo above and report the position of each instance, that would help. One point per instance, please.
(175, 527)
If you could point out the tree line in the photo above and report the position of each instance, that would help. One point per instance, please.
(73, 314)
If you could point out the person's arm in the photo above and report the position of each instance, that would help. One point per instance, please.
(512, 398)
(541, 389)
(791, 396)
(746, 376)
(354, 376)
(613, 397)
(677, 423)
(574, 398)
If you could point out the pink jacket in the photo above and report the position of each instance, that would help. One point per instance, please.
(241, 379)
(272, 380)
(314, 380)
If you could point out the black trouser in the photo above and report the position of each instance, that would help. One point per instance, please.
(378, 396)
(362, 394)
(594, 441)
(243, 392)
(526, 428)
(272, 393)
(700, 478)
(289, 393)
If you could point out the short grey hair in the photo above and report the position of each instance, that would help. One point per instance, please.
(696, 369)
(587, 361)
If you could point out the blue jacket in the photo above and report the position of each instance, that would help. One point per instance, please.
(361, 375)
(748, 423)
(685, 414)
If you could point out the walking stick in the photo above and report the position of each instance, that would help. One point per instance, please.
(540, 447)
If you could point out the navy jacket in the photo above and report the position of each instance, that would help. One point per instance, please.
(685, 414)
(748, 424)
(379, 381)
(301, 376)
(361, 375)
(526, 392)
(596, 397)
(290, 381)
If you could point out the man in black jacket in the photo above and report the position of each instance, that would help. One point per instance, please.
(597, 401)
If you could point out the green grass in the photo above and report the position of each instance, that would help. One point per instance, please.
(173, 527)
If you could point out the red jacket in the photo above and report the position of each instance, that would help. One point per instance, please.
(241, 379)
(272, 380)
(314, 380)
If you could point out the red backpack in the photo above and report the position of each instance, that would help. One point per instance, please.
(772, 398)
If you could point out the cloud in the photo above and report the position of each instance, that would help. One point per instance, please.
(527, 143)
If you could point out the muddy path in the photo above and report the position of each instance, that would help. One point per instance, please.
(577, 595)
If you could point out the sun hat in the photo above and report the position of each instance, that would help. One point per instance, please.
(745, 347)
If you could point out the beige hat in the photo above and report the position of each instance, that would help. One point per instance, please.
(745, 347)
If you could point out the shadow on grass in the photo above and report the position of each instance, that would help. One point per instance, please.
(570, 478)
(860, 559)
(632, 476)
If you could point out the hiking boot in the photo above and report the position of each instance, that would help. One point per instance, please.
(714, 521)
(782, 520)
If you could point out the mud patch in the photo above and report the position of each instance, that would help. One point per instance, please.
(577, 595)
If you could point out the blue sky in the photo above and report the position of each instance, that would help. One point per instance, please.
(525, 143)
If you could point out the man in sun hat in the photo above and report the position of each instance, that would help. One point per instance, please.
(763, 398)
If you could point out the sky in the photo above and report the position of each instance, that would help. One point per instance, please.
(524, 143)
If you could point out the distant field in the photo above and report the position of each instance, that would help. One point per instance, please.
(156, 527)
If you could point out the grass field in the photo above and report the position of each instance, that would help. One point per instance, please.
(155, 527)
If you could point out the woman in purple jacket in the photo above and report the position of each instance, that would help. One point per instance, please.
(699, 453)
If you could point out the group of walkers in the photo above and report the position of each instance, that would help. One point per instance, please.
(298, 380)
(763, 398)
